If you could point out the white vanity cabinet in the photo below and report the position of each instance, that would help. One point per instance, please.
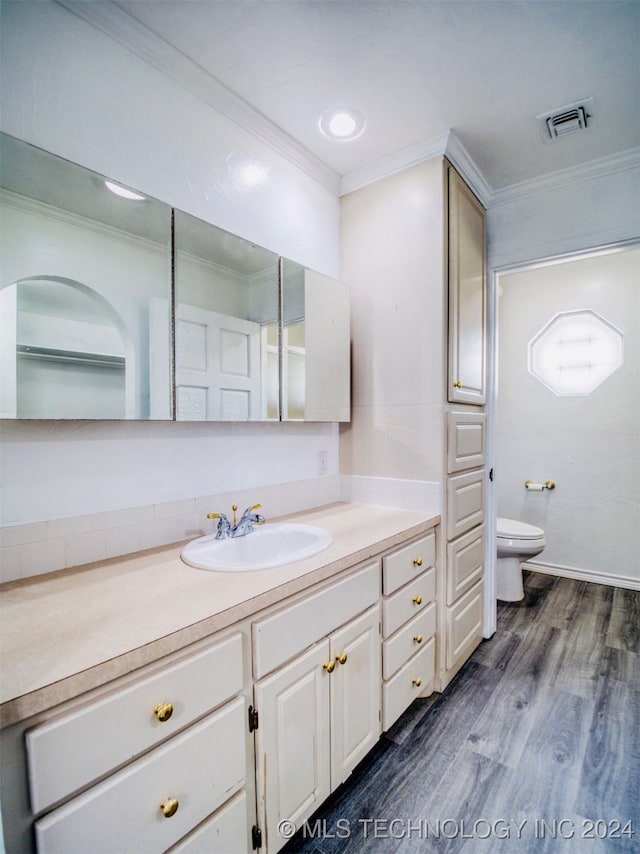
(408, 625)
(184, 725)
(319, 710)
(257, 722)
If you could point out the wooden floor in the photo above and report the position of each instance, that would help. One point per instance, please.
(534, 747)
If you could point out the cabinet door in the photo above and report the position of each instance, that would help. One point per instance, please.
(465, 503)
(355, 693)
(467, 295)
(465, 441)
(292, 742)
(464, 626)
(465, 563)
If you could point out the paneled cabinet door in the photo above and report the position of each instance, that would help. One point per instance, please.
(467, 294)
(355, 693)
(292, 742)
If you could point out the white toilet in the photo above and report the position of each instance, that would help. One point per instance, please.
(517, 541)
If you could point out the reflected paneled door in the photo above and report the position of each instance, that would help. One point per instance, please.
(226, 314)
(217, 367)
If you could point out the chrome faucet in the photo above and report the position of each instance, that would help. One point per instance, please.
(245, 526)
(247, 521)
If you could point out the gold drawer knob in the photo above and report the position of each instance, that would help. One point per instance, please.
(418, 638)
(329, 666)
(458, 384)
(342, 658)
(417, 682)
(169, 807)
(163, 711)
(417, 561)
(417, 600)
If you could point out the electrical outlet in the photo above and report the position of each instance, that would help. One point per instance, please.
(323, 462)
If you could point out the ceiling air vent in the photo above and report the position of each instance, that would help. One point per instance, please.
(566, 120)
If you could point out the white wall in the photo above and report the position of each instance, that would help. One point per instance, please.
(587, 445)
(38, 240)
(392, 250)
(70, 89)
(573, 213)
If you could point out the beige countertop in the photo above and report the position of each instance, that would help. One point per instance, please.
(72, 631)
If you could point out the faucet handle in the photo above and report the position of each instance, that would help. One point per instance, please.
(223, 524)
(250, 514)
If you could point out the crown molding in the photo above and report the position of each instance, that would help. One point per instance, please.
(461, 159)
(45, 210)
(115, 22)
(398, 162)
(620, 162)
(444, 145)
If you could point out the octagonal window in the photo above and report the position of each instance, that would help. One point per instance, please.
(575, 352)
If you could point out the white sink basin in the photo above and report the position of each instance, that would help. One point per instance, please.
(273, 544)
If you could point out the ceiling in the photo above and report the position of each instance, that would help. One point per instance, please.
(484, 69)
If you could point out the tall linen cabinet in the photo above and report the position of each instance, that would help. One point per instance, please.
(413, 254)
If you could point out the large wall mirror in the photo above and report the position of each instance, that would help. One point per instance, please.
(84, 272)
(315, 346)
(226, 292)
(94, 324)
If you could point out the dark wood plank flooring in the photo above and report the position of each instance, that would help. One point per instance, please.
(534, 747)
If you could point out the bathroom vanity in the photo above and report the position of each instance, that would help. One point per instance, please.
(148, 705)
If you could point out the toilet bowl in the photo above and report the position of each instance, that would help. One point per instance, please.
(517, 542)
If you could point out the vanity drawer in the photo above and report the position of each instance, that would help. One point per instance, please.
(286, 633)
(406, 602)
(200, 768)
(465, 559)
(123, 724)
(398, 693)
(228, 831)
(404, 565)
(399, 648)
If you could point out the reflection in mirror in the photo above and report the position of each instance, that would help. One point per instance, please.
(226, 325)
(315, 346)
(84, 288)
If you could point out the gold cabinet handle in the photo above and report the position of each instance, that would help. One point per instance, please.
(458, 384)
(418, 638)
(417, 561)
(417, 682)
(342, 658)
(329, 666)
(417, 600)
(169, 807)
(163, 711)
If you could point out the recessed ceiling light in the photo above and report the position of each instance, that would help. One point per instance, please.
(342, 124)
(123, 192)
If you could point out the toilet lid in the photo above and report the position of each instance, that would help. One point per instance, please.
(511, 528)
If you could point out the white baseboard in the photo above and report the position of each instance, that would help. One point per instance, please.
(610, 579)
